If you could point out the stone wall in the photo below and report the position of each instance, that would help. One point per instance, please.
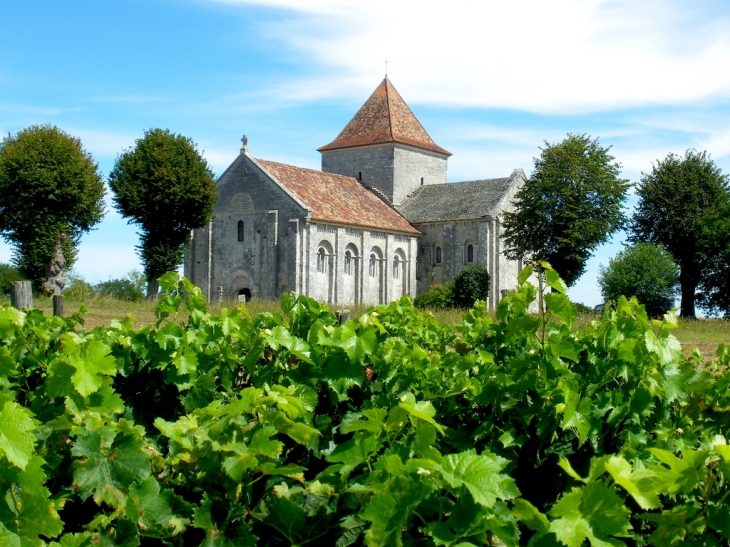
(454, 238)
(280, 248)
(372, 165)
(369, 276)
(393, 169)
(264, 262)
(415, 167)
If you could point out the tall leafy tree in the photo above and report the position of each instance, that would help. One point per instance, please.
(165, 187)
(679, 205)
(713, 290)
(51, 192)
(571, 203)
(643, 270)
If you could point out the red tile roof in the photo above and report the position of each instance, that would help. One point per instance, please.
(385, 117)
(338, 199)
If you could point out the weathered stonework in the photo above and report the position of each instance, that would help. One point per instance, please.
(395, 170)
(378, 222)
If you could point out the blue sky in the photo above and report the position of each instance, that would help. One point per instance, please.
(490, 81)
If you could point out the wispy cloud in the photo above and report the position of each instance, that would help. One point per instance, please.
(561, 56)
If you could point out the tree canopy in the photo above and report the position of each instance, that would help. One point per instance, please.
(570, 204)
(51, 192)
(643, 270)
(713, 291)
(679, 205)
(165, 187)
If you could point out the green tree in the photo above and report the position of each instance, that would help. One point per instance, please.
(679, 201)
(51, 192)
(165, 187)
(643, 270)
(471, 284)
(571, 203)
(714, 288)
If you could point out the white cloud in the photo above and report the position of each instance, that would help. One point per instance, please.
(559, 56)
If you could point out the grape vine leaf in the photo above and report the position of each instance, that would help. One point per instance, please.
(480, 474)
(642, 485)
(386, 517)
(91, 362)
(82, 539)
(16, 437)
(107, 464)
(593, 512)
(27, 511)
(155, 512)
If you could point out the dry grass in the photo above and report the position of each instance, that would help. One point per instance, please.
(703, 334)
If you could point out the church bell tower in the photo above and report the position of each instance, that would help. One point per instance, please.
(386, 148)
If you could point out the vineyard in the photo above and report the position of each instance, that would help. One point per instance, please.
(392, 429)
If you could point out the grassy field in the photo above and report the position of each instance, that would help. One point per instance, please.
(703, 334)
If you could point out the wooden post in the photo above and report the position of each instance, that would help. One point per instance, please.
(342, 316)
(58, 305)
(21, 295)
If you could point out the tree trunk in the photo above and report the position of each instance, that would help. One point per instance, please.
(58, 305)
(21, 295)
(689, 286)
(153, 287)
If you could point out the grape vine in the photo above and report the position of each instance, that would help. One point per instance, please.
(391, 429)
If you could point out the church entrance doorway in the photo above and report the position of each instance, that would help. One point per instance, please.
(244, 295)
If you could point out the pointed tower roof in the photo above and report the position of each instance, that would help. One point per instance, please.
(385, 117)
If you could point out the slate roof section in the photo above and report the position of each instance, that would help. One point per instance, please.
(384, 118)
(338, 199)
(458, 200)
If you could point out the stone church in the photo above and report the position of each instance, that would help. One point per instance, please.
(377, 222)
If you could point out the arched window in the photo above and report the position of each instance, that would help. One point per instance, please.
(438, 255)
(348, 262)
(396, 267)
(321, 260)
(470, 253)
(240, 230)
(373, 265)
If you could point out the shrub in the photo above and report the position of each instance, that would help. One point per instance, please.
(471, 284)
(643, 270)
(8, 274)
(438, 297)
(582, 308)
(77, 288)
(130, 288)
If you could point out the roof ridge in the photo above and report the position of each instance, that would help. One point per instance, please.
(387, 106)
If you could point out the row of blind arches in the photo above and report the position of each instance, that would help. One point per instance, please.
(324, 252)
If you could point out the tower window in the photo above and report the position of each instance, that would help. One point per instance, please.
(421, 181)
(240, 230)
(321, 257)
(348, 262)
(359, 175)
